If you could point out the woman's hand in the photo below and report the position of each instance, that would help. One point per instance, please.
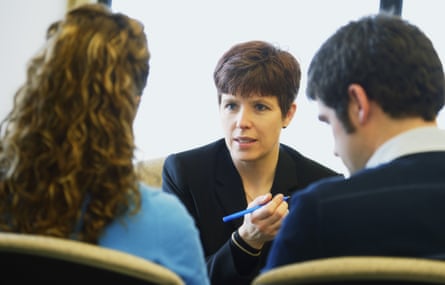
(263, 224)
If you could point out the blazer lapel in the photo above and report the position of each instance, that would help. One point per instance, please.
(285, 180)
(229, 189)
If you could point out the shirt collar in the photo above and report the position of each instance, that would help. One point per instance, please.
(423, 139)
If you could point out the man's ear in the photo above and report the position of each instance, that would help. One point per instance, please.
(359, 104)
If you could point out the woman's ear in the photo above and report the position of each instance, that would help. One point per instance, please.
(359, 104)
(289, 115)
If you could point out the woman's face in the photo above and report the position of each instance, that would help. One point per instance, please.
(252, 125)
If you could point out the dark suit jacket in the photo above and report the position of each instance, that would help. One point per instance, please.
(208, 184)
(396, 209)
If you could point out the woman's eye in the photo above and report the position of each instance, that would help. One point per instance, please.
(261, 107)
(230, 106)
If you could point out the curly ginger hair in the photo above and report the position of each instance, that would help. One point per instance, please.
(67, 146)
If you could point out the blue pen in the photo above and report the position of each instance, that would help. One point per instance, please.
(246, 211)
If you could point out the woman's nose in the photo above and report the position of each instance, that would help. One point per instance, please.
(244, 118)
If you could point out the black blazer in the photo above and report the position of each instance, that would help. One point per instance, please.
(207, 182)
(396, 209)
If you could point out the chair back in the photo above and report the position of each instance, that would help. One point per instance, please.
(32, 257)
(357, 270)
(150, 171)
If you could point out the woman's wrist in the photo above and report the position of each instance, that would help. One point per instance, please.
(243, 245)
(249, 240)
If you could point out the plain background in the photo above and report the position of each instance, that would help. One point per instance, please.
(186, 38)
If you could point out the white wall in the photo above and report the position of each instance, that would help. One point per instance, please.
(186, 38)
(23, 25)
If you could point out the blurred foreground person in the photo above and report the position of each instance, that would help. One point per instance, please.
(66, 152)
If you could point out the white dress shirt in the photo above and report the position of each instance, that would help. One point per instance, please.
(423, 139)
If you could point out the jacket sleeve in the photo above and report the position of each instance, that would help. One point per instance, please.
(230, 265)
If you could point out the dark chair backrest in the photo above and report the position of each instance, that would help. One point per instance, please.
(40, 258)
(368, 270)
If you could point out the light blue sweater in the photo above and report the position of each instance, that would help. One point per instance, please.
(162, 232)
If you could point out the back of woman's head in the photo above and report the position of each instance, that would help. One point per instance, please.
(69, 137)
(258, 67)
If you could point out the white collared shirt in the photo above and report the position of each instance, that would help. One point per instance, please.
(423, 139)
